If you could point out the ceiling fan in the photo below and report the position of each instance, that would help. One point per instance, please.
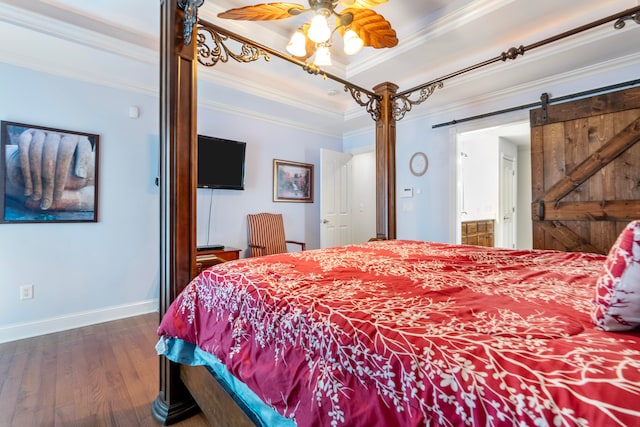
(357, 23)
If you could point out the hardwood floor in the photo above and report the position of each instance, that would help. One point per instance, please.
(99, 375)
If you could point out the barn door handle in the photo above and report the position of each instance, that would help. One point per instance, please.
(541, 210)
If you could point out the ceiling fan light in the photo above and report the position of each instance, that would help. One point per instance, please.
(297, 44)
(352, 43)
(319, 30)
(323, 56)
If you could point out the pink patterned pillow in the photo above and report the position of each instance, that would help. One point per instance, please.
(617, 301)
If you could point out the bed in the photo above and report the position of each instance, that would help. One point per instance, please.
(594, 382)
(408, 333)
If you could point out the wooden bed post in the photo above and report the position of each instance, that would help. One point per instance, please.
(385, 163)
(177, 191)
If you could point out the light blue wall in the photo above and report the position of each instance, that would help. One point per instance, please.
(425, 215)
(83, 268)
(266, 141)
(431, 213)
(91, 272)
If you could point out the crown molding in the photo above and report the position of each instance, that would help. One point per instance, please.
(278, 120)
(269, 92)
(541, 55)
(65, 31)
(539, 85)
(129, 32)
(71, 71)
(504, 96)
(498, 97)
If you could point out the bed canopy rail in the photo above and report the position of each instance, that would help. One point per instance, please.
(403, 97)
(212, 49)
(178, 131)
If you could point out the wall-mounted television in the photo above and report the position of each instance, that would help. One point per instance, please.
(220, 163)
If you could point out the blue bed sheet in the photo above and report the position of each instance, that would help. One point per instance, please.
(186, 353)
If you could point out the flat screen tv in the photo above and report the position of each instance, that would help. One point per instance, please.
(220, 163)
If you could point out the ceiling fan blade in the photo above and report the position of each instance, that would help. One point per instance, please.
(263, 12)
(363, 4)
(372, 28)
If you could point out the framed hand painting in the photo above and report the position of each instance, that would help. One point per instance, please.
(292, 181)
(50, 175)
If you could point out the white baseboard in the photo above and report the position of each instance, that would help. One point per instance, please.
(18, 331)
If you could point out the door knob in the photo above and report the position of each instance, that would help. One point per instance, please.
(325, 221)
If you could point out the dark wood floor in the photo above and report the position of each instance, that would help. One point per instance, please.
(99, 375)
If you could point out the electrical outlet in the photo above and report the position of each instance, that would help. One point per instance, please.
(26, 292)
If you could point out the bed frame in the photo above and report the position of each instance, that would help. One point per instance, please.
(185, 390)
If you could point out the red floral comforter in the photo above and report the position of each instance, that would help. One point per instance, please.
(403, 333)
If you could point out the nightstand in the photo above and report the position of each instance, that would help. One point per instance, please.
(207, 257)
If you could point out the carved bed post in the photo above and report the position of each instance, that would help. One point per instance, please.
(385, 163)
(177, 185)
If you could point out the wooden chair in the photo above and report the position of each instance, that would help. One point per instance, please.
(266, 235)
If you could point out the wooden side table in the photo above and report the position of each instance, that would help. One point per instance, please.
(207, 257)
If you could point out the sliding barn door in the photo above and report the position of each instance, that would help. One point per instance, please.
(585, 162)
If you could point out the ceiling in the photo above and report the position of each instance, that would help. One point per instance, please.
(436, 38)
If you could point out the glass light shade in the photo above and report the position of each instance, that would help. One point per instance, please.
(323, 56)
(352, 43)
(297, 44)
(319, 30)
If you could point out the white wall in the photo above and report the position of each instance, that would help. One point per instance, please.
(525, 229)
(506, 235)
(479, 175)
(364, 196)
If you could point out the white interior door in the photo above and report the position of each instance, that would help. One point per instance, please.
(508, 198)
(335, 198)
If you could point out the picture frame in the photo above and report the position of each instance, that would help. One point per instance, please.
(48, 175)
(292, 181)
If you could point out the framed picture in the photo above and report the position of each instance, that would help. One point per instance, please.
(292, 181)
(49, 175)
